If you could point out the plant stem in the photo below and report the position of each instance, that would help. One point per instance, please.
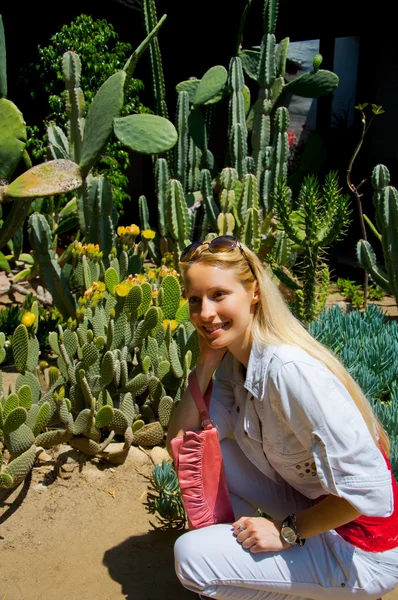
(354, 189)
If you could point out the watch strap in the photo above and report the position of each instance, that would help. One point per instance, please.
(290, 521)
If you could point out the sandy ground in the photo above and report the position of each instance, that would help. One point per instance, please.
(85, 534)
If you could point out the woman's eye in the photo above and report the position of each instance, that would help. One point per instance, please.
(193, 300)
(219, 294)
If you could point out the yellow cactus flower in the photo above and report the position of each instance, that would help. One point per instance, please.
(122, 289)
(28, 319)
(132, 229)
(148, 234)
(121, 231)
(155, 293)
(151, 274)
(172, 322)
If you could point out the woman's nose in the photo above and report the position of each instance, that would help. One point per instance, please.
(207, 309)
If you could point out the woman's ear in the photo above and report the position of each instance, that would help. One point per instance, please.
(256, 295)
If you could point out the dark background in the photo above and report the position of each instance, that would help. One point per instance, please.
(197, 36)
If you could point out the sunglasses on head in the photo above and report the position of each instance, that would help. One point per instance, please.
(223, 243)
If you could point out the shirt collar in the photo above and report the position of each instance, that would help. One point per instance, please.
(256, 375)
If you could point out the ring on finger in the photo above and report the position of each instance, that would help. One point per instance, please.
(241, 527)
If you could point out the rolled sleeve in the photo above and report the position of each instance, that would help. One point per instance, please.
(325, 418)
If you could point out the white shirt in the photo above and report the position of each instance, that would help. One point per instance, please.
(297, 423)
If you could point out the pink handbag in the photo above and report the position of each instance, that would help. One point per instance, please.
(200, 469)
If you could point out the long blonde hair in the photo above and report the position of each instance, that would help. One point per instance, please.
(275, 324)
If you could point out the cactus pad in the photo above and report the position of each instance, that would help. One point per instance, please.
(14, 419)
(20, 440)
(104, 108)
(146, 134)
(119, 422)
(25, 396)
(48, 179)
(82, 422)
(104, 416)
(18, 468)
(13, 137)
(48, 439)
(20, 347)
(149, 435)
(164, 410)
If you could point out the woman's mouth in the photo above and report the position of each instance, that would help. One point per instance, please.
(214, 328)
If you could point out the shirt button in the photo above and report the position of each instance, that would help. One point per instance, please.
(238, 409)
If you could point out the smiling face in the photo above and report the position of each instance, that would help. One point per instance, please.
(221, 308)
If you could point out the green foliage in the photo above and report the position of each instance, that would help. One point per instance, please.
(102, 55)
(317, 218)
(164, 497)
(354, 293)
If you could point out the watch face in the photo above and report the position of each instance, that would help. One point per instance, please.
(289, 535)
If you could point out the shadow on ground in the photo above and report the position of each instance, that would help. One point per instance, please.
(144, 567)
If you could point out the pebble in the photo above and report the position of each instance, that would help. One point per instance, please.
(158, 454)
(40, 487)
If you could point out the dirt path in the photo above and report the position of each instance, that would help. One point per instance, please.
(85, 535)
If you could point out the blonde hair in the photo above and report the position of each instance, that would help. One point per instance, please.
(275, 324)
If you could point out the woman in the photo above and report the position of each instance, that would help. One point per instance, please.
(299, 441)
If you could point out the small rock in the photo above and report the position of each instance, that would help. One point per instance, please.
(342, 306)
(92, 474)
(40, 488)
(158, 454)
(68, 455)
(44, 457)
(68, 468)
(138, 458)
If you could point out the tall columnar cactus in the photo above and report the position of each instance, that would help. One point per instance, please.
(181, 154)
(385, 199)
(237, 118)
(71, 67)
(268, 68)
(178, 216)
(314, 221)
(41, 240)
(159, 88)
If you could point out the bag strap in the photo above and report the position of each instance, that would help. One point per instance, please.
(202, 403)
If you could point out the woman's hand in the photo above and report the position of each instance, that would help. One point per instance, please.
(209, 357)
(258, 534)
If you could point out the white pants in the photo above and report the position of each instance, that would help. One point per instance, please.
(210, 561)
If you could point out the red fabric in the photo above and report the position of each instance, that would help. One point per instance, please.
(200, 469)
(373, 534)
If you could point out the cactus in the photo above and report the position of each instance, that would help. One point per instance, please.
(41, 240)
(17, 469)
(385, 199)
(164, 496)
(319, 218)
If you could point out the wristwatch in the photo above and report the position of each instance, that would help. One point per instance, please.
(289, 531)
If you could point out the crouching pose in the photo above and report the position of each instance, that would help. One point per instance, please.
(299, 440)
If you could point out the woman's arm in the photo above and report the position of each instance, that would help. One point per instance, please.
(332, 512)
(186, 415)
(262, 535)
